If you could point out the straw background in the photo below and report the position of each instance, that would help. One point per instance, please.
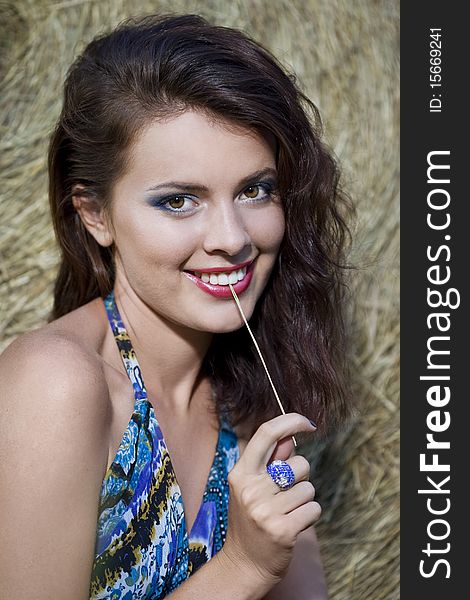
(345, 55)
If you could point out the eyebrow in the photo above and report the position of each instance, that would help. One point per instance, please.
(194, 187)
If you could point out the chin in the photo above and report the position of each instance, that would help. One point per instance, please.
(228, 329)
(222, 328)
(224, 323)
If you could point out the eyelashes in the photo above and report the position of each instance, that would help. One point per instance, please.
(164, 203)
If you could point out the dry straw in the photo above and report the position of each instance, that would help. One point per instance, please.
(346, 57)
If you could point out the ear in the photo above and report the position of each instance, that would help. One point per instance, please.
(92, 216)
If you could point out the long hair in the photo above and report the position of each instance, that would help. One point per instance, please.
(157, 67)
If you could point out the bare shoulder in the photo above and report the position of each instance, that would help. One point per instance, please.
(54, 448)
(45, 371)
(52, 388)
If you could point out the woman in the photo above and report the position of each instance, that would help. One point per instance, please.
(183, 160)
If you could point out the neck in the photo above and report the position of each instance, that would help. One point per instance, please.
(170, 355)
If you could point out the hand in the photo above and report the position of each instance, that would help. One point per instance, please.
(263, 520)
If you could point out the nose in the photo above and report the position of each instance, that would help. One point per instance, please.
(226, 229)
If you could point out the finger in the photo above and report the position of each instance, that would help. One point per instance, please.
(301, 468)
(284, 449)
(304, 516)
(263, 486)
(289, 500)
(264, 440)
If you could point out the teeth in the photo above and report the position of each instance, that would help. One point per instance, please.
(222, 278)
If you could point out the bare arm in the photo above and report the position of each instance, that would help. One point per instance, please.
(52, 461)
(224, 581)
(305, 579)
(220, 578)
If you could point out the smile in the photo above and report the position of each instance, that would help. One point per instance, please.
(222, 278)
(216, 284)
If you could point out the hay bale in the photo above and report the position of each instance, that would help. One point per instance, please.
(346, 57)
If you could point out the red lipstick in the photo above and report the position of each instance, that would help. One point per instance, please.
(226, 269)
(223, 291)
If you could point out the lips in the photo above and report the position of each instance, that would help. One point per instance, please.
(226, 269)
(224, 276)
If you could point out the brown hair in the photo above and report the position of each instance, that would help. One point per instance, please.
(158, 66)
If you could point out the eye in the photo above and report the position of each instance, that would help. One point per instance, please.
(177, 204)
(252, 191)
(259, 192)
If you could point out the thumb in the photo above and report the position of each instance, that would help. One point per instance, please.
(284, 449)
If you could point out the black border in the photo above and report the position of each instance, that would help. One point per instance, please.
(421, 133)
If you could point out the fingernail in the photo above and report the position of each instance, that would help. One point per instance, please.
(313, 423)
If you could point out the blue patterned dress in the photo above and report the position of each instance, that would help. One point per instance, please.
(143, 549)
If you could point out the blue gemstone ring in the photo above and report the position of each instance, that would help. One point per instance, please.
(281, 473)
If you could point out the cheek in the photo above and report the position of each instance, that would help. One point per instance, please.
(158, 244)
(268, 230)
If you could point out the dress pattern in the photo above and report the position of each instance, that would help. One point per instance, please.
(143, 548)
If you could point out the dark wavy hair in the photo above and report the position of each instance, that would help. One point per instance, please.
(156, 67)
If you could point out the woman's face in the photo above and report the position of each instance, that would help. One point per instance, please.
(213, 206)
